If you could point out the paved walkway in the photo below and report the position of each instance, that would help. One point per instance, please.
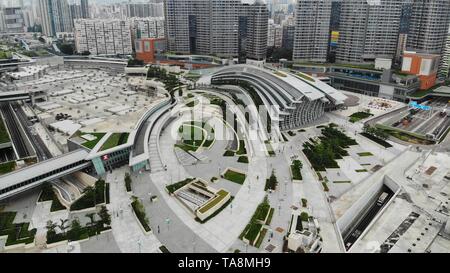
(128, 234)
(221, 231)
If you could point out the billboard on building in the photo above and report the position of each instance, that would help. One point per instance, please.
(334, 38)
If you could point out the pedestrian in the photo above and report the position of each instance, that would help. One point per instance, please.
(158, 229)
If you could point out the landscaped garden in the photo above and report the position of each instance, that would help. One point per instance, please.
(195, 135)
(255, 226)
(75, 231)
(377, 135)
(17, 233)
(355, 117)
(115, 140)
(331, 145)
(170, 81)
(216, 212)
(48, 194)
(91, 197)
(235, 177)
(242, 150)
(139, 210)
(91, 144)
(221, 194)
(271, 182)
(174, 187)
(243, 159)
(128, 182)
(296, 170)
(269, 148)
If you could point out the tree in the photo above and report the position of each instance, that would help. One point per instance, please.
(67, 49)
(75, 230)
(51, 227)
(135, 62)
(104, 216)
(91, 217)
(90, 193)
(63, 225)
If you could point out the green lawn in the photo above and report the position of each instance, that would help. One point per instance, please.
(235, 177)
(91, 144)
(115, 140)
(220, 196)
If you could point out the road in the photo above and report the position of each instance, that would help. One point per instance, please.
(360, 226)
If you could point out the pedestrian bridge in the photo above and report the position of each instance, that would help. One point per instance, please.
(14, 96)
(39, 173)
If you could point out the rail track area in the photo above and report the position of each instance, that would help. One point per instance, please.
(430, 123)
(42, 152)
(13, 125)
(367, 216)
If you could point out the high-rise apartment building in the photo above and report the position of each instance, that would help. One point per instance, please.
(151, 27)
(274, 34)
(368, 30)
(13, 20)
(108, 37)
(444, 66)
(2, 21)
(428, 26)
(405, 17)
(80, 10)
(210, 26)
(312, 30)
(55, 16)
(253, 31)
(144, 9)
(288, 35)
(85, 12)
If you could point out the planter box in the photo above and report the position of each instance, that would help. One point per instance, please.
(139, 223)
